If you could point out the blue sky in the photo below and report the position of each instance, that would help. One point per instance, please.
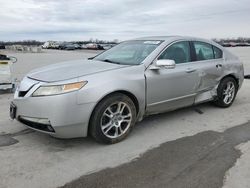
(122, 19)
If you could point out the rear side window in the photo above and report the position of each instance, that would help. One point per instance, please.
(179, 52)
(203, 51)
(217, 53)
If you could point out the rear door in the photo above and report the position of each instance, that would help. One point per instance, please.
(209, 61)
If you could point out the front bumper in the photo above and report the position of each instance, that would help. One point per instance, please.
(67, 118)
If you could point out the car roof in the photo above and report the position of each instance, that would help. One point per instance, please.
(175, 38)
(157, 38)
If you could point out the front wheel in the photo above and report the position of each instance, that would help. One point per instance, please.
(226, 92)
(113, 119)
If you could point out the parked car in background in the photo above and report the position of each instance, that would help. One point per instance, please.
(69, 46)
(93, 46)
(62, 45)
(4, 57)
(6, 79)
(77, 46)
(107, 46)
(83, 46)
(106, 95)
(55, 45)
(2, 46)
(51, 45)
(100, 47)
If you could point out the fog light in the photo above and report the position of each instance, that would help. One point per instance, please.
(50, 128)
(42, 124)
(44, 121)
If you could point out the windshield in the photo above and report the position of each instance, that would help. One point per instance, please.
(129, 52)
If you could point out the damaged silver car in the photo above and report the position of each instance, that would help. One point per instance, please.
(106, 95)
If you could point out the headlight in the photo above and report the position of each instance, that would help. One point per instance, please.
(58, 89)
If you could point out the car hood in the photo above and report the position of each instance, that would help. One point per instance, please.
(71, 69)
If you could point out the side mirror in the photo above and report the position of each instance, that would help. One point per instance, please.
(165, 63)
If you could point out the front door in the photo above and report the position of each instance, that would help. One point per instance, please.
(169, 89)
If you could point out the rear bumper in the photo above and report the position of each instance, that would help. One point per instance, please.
(66, 118)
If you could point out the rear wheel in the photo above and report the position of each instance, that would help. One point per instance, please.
(113, 119)
(226, 92)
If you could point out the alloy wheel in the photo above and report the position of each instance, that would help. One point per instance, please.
(228, 92)
(116, 120)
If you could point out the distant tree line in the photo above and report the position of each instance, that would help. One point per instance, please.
(24, 42)
(38, 43)
(236, 40)
(233, 42)
(222, 41)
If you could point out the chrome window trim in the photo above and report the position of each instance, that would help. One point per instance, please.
(191, 62)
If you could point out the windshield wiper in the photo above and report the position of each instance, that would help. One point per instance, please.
(109, 61)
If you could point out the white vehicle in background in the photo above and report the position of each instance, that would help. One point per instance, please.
(55, 45)
(46, 45)
(50, 45)
(6, 79)
(84, 46)
(92, 46)
(77, 46)
(107, 46)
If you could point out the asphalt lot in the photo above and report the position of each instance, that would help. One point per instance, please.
(195, 161)
(200, 146)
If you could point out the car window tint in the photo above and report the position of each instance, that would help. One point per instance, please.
(203, 51)
(217, 53)
(179, 52)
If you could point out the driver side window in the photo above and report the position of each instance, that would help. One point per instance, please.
(179, 52)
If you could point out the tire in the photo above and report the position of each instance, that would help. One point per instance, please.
(113, 119)
(223, 91)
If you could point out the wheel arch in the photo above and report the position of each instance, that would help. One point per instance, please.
(127, 93)
(232, 76)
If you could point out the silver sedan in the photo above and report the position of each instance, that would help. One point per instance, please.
(106, 95)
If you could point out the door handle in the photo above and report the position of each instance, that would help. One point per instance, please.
(218, 65)
(189, 70)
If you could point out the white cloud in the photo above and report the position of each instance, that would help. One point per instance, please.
(122, 19)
